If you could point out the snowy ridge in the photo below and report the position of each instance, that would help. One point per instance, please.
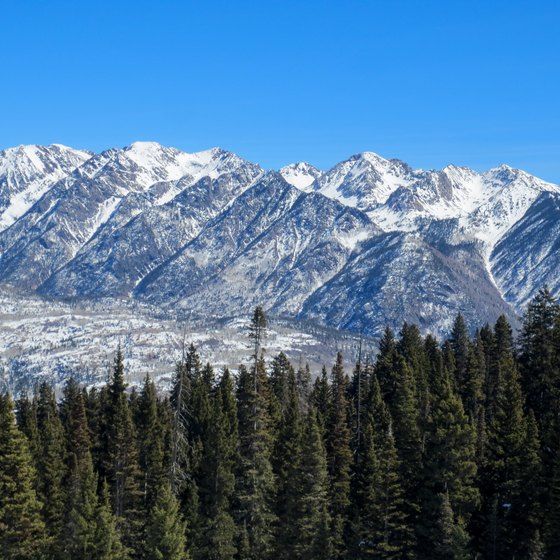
(27, 172)
(213, 234)
(301, 175)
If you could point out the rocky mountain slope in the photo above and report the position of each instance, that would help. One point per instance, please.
(367, 243)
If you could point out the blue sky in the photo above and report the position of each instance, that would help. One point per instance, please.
(431, 82)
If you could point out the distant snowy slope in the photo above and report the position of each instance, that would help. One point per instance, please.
(27, 172)
(368, 242)
(301, 175)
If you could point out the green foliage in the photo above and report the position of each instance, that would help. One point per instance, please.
(165, 529)
(22, 531)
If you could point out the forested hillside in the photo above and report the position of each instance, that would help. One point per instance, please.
(432, 450)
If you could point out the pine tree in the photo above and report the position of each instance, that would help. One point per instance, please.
(255, 478)
(450, 538)
(151, 443)
(339, 457)
(165, 529)
(218, 481)
(311, 519)
(303, 383)
(121, 460)
(460, 344)
(366, 502)
(320, 399)
(80, 531)
(50, 463)
(74, 420)
(385, 365)
(108, 544)
(22, 531)
(26, 415)
(503, 475)
(540, 368)
(449, 465)
(394, 534)
(285, 462)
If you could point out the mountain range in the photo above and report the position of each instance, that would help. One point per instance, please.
(368, 243)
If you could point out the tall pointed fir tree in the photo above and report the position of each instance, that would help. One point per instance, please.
(285, 461)
(255, 478)
(217, 485)
(312, 539)
(150, 443)
(502, 479)
(80, 531)
(121, 460)
(449, 463)
(339, 457)
(165, 528)
(540, 369)
(108, 545)
(50, 464)
(22, 531)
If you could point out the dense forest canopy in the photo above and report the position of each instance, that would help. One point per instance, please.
(432, 451)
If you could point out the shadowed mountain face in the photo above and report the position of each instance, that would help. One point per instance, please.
(367, 243)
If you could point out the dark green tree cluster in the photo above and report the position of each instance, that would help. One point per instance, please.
(431, 451)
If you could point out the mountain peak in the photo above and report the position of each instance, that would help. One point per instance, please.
(301, 175)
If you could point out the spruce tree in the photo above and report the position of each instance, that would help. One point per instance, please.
(108, 545)
(312, 540)
(255, 478)
(165, 529)
(394, 532)
(50, 464)
(540, 368)
(151, 443)
(218, 538)
(121, 460)
(285, 462)
(80, 531)
(503, 475)
(22, 531)
(339, 457)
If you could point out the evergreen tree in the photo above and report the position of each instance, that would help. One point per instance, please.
(165, 529)
(394, 534)
(22, 531)
(151, 443)
(121, 460)
(108, 544)
(50, 464)
(217, 486)
(366, 502)
(312, 539)
(286, 468)
(339, 457)
(74, 420)
(540, 368)
(460, 345)
(320, 399)
(449, 466)
(80, 531)
(503, 476)
(303, 383)
(385, 365)
(255, 478)
(450, 539)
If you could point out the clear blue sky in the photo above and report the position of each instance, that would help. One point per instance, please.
(431, 82)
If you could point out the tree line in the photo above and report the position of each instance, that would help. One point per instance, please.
(431, 451)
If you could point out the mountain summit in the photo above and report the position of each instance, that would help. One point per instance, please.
(366, 243)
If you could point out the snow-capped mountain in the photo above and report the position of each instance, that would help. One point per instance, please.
(369, 242)
(27, 172)
(301, 175)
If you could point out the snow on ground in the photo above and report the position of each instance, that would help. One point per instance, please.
(42, 339)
